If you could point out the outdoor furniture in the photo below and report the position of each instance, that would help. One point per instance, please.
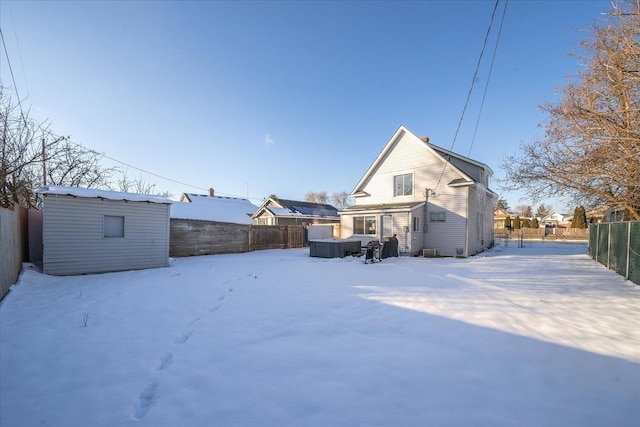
(372, 252)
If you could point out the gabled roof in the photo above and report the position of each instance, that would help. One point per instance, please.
(101, 194)
(283, 207)
(440, 153)
(213, 208)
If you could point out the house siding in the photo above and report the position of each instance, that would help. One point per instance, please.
(73, 241)
(445, 237)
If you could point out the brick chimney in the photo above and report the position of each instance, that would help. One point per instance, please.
(211, 192)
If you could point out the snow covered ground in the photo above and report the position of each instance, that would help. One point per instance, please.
(532, 336)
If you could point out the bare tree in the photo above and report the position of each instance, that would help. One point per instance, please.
(591, 149)
(523, 210)
(340, 200)
(32, 155)
(138, 185)
(319, 197)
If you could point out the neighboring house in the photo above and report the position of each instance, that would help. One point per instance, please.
(213, 208)
(555, 219)
(614, 214)
(275, 211)
(499, 215)
(430, 198)
(95, 231)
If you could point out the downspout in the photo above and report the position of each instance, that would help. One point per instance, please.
(466, 226)
(424, 218)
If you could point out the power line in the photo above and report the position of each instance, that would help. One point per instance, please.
(475, 74)
(155, 174)
(484, 94)
(15, 87)
(15, 34)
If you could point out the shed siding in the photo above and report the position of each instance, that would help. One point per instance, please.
(73, 241)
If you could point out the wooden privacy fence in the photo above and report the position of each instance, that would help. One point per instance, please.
(196, 237)
(539, 233)
(276, 237)
(13, 245)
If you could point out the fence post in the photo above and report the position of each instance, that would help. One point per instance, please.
(626, 276)
(609, 246)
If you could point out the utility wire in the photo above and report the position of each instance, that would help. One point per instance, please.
(475, 74)
(15, 87)
(486, 86)
(154, 174)
(15, 34)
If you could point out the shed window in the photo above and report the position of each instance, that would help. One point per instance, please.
(403, 185)
(437, 217)
(416, 223)
(113, 226)
(364, 225)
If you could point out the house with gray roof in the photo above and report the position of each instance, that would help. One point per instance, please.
(276, 211)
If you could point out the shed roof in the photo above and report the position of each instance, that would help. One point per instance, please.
(92, 193)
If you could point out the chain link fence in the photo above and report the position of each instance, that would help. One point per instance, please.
(616, 245)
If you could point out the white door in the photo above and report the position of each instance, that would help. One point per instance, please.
(387, 226)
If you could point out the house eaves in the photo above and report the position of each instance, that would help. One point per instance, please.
(382, 207)
(439, 153)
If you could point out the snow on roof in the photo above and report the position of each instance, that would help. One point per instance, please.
(220, 209)
(100, 194)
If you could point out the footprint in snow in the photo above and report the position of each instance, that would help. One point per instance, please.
(146, 400)
(165, 361)
(183, 338)
(215, 308)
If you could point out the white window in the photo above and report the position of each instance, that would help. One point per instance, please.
(113, 226)
(416, 223)
(403, 185)
(364, 225)
(437, 217)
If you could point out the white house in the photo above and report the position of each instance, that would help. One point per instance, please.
(429, 197)
(554, 219)
(96, 231)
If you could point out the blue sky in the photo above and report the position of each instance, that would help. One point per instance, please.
(256, 98)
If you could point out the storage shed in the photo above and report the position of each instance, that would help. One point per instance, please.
(96, 231)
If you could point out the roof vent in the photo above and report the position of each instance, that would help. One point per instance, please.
(425, 139)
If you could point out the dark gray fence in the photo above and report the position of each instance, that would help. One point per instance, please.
(616, 245)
